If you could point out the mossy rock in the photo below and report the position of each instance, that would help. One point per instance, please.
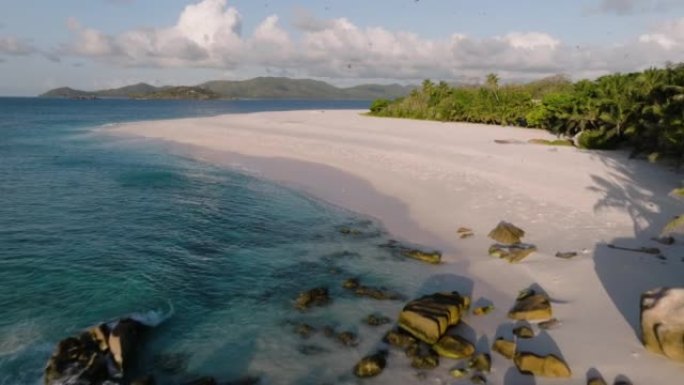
(455, 347)
(481, 362)
(428, 317)
(535, 307)
(524, 332)
(547, 366)
(597, 140)
(512, 253)
(676, 225)
(662, 330)
(504, 347)
(678, 192)
(507, 233)
(371, 366)
(432, 257)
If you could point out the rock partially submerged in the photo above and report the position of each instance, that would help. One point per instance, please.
(102, 353)
(314, 297)
(531, 306)
(433, 257)
(512, 253)
(428, 317)
(546, 366)
(371, 366)
(662, 322)
(507, 233)
(376, 320)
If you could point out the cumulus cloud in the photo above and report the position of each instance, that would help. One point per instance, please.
(16, 47)
(626, 7)
(208, 34)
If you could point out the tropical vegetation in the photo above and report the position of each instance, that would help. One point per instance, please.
(644, 110)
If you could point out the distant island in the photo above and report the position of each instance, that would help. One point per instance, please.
(257, 88)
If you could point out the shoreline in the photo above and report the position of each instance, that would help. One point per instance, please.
(423, 180)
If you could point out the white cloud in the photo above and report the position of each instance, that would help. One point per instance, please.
(209, 34)
(16, 47)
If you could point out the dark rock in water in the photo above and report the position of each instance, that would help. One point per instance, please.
(379, 293)
(248, 380)
(351, 283)
(311, 350)
(315, 297)
(171, 363)
(512, 253)
(546, 366)
(347, 338)
(507, 233)
(531, 307)
(371, 366)
(123, 340)
(145, 380)
(377, 320)
(400, 339)
(662, 325)
(455, 347)
(481, 362)
(304, 330)
(524, 332)
(428, 317)
(566, 255)
(328, 331)
(349, 231)
(100, 354)
(665, 240)
(203, 381)
(433, 257)
(422, 357)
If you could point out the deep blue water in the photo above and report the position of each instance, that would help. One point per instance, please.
(93, 228)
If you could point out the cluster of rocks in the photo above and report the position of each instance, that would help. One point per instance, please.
(106, 354)
(509, 246)
(99, 354)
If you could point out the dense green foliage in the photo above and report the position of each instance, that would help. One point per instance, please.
(643, 110)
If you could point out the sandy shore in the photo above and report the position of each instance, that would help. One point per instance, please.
(424, 180)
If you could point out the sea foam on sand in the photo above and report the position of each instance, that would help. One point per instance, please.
(424, 180)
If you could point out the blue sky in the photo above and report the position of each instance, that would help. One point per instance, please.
(107, 43)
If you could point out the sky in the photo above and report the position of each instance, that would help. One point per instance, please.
(95, 44)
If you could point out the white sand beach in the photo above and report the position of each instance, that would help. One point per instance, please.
(424, 180)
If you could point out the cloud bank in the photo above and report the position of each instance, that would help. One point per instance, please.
(209, 34)
(628, 7)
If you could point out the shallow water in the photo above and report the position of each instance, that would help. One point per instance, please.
(93, 228)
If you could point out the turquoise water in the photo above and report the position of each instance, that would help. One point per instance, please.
(93, 228)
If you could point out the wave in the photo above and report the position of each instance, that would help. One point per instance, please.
(153, 318)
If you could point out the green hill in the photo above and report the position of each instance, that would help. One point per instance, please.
(257, 88)
(180, 93)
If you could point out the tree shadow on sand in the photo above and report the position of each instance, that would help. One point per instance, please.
(636, 188)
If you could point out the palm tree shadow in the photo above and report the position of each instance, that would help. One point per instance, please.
(636, 188)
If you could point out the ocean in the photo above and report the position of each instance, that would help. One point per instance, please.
(95, 227)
